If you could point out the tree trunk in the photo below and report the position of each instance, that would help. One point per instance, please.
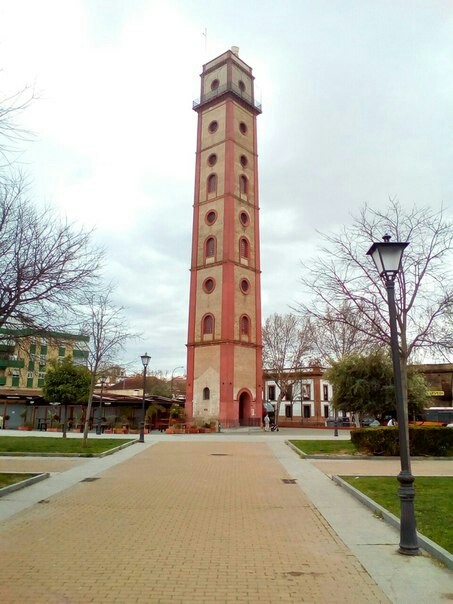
(89, 406)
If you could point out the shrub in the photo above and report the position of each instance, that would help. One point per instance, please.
(423, 440)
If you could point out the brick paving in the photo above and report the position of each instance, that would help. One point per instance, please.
(181, 522)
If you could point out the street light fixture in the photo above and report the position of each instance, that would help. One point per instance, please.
(145, 360)
(171, 382)
(102, 381)
(387, 257)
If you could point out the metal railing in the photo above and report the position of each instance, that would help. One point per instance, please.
(229, 87)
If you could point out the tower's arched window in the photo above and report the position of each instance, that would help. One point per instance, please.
(206, 394)
(208, 325)
(243, 184)
(244, 325)
(210, 247)
(244, 248)
(212, 183)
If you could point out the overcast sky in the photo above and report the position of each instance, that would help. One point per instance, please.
(357, 106)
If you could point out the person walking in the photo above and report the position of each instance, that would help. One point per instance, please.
(266, 423)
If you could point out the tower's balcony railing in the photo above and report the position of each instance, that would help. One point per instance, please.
(230, 87)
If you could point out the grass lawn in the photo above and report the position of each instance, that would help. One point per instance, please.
(320, 447)
(433, 499)
(7, 479)
(58, 445)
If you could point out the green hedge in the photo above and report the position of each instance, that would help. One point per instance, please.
(434, 441)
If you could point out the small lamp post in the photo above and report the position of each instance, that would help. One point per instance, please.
(387, 257)
(102, 381)
(171, 382)
(145, 360)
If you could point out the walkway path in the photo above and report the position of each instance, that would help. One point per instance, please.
(202, 519)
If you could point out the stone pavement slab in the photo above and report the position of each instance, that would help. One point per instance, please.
(182, 521)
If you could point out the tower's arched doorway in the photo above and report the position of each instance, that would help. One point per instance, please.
(244, 408)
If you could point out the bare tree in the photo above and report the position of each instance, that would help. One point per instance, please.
(287, 342)
(11, 133)
(338, 333)
(106, 327)
(343, 273)
(45, 264)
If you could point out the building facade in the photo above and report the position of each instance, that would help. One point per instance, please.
(24, 359)
(308, 400)
(224, 349)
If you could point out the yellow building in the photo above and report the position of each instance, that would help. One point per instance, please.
(24, 359)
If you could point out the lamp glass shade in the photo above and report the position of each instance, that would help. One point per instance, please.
(387, 256)
(145, 359)
(102, 380)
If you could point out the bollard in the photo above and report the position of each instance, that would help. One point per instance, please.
(219, 427)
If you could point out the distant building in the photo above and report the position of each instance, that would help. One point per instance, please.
(24, 359)
(307, 401)
(439, 377)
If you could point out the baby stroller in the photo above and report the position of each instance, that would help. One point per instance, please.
(274, 428)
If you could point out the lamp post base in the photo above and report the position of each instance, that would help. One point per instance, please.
(408, 531)
(142, 433)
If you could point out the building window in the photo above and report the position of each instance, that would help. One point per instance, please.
(208, 325)
(243, 184)
(306, 394)
(244, 248)
(212, 159)
(326, 410)
(288, 410)
(245, 286)
(241, 86)
(212, 183)
(244, 218)
(307, 411)
(215, 84)
(211, 217)
(271, 393)
(243, 128)
(213, 127)
(206, 394)
(209, 285)
(325, 392)
(244, 161)
(30, 375)
(244, 326)
(210, 247)
(61, 351)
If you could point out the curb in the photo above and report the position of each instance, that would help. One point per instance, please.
(24, 483)
(431, 547)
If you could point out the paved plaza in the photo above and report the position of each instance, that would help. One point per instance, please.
(202, 519)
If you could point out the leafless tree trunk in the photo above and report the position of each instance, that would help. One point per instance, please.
(107, 329)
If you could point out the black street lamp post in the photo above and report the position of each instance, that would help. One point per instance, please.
(145, 360)
(387, 257)
(102, 381)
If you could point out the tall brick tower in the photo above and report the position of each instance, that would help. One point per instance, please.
(224, 366)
